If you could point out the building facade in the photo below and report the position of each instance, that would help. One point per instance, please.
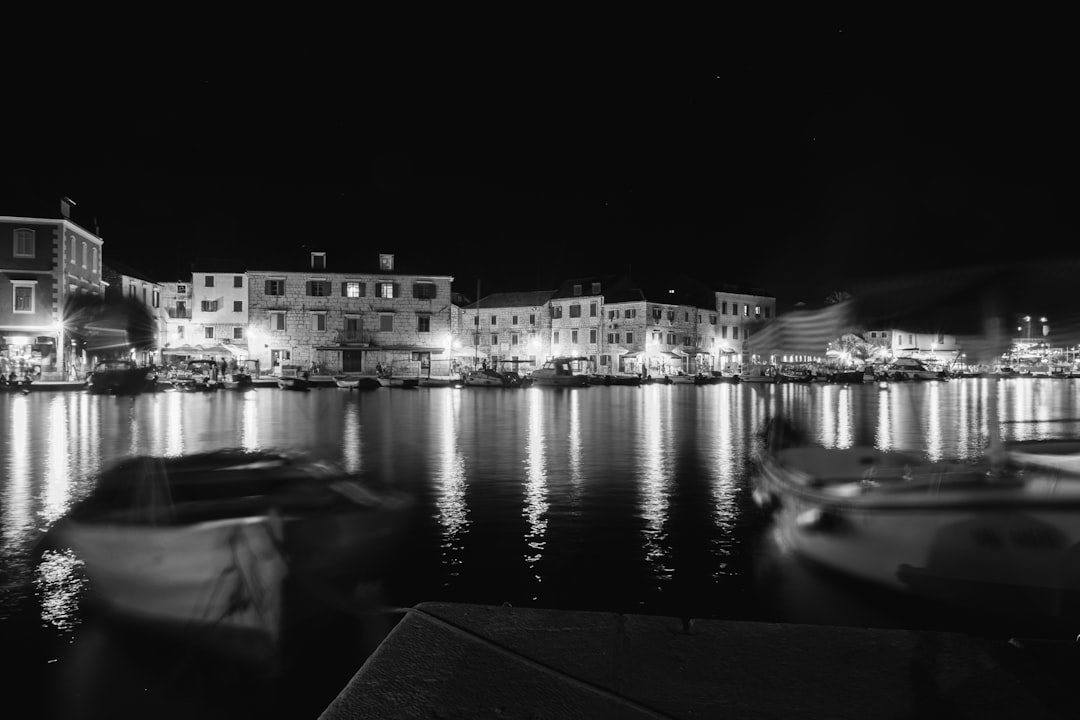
(44, 263)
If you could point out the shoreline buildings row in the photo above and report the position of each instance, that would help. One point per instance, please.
(317, 308)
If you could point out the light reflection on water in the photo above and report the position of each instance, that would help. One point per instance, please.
(629, 495)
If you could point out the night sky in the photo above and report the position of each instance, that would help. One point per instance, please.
(801, 163)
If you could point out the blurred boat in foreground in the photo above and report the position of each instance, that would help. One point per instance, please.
(208, 544)
(1001, 537)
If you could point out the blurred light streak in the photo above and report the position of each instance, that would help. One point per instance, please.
(450, 484)
(249, 423)
(536, 505)
(728, 459)
(655, 476)
(58, 472)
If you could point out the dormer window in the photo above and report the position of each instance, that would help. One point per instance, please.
(596, 288)
(386, 262)
(577, 290)
(318, 261)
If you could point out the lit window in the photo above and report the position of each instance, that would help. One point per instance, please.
(22, 300)
(352, 289)
(386, 290)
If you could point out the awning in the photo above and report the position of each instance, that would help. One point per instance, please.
(631, 355)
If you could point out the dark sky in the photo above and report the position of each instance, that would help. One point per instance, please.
(796, 163)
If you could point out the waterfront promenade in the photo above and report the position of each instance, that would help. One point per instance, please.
(474, 661)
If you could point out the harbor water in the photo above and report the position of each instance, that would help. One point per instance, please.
(621, 499)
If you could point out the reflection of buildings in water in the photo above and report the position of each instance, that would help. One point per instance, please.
(932, 412)
(655, 476)
(18, 515)
(453, 512)
(536, 505)
(837, 418)
(574, 440)
(56, 495)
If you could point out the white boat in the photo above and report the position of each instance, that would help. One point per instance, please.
(394, 381)
(354, 381)
(204, 544)
(1002, 538)
(558, 372)
(907, 368)
(759, 373)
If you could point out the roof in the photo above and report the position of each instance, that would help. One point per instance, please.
(525, 298)
(338, 261)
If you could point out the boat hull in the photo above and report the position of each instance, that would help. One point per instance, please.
(1005, 546)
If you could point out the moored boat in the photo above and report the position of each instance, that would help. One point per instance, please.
(241, 377)
(356, 381)
(558, 372)
(121, 377)
(758, 373)
(197, 375)
(1001, 538)
(484, 377)
(207, 544)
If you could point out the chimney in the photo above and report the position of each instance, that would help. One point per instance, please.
(65, 206)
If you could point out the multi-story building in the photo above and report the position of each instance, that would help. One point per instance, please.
(739, 311)
(122, 281)
(44, 263)
(507, 330)
(309, 310)
(219, 305)
(176, 300)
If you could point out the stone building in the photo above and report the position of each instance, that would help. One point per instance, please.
(507, 330)
(123, 281)
(219, 306)
(310, 310)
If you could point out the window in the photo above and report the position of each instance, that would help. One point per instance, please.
(22, 295)
(592, 336)
(352, 323)
(277, 321)
(573, 337)
(275, 287)
(208, 332)
(514, 338)
(318, 261)
(82, 254)
(630, 313)
(386, 322)
(24, 243)
(612, 338)
(596, 288)
(318, 321)
(476, 321)
(423, 323)
(593, 309)
(723, 308)
(712, 319)
(494, 339)
(209, 281)
(514, 320)
(318, 288)
(766, 313)
(671, 315)
(209, 305)
(555, 337)
(656, 314)
(132, 292)
(746, 310)
(575, 311)
(671, 338)
(181, 309)
(723, 332)
(94, 265)
(352, 289)
(238, 333)
(494, 321)
(181, 289)
(238, 281)
(686, 316)
(532, 319)
(71, 249)
(155, 298)
(179, 331)
(612, 314)
(629, 338)
(387, 290)
(577, 290)
(757, 311)
(424, 291)
(386, 262)
(556, 311)
(238, 306)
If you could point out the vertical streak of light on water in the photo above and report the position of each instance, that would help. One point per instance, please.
(575, 443)
(18, 498)
(58, 476)
(728, 458)
(249, 422)
(535, 510)
(655, 477)
(174, 428)
(453, 512)
(828, 417)
(932, 411)
(884, 424)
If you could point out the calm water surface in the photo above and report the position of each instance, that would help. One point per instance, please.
(603, 498)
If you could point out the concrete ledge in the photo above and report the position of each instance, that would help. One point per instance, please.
(473, 661)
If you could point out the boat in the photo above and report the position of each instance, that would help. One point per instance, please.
(908, 368)
(758, 373)
(356, 381)
(121, 377)
(794, 374)
(681, 378)
(241, 377)
(197, 375)
(485, 377)
(852, 377)
(999, 537)
(293, 378)
(558, 372)
(208, 544)
(394, 381)
(615, 379)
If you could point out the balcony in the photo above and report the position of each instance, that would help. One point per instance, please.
(353, 337)
(178, 314)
